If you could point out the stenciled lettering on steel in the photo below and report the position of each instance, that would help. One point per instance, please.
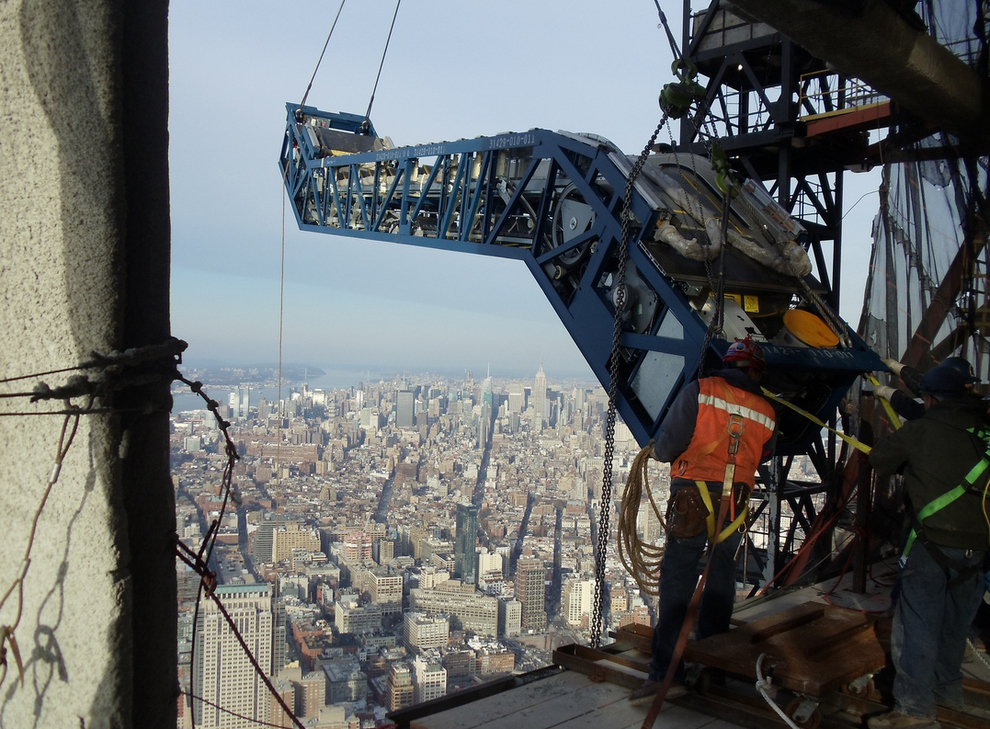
(812, 356)
(424, 150)
(512, 140)
(505, 141)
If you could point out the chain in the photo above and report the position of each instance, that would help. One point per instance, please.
(605, 505)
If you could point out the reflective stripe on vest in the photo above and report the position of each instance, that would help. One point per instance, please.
(708, 452)
(735, 409)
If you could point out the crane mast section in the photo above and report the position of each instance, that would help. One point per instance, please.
(554, 200)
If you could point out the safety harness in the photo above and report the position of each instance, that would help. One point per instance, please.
(939, 503)
(735, 429)
(737, 521)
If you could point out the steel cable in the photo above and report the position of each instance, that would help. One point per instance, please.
(371, 101)
(327, 43)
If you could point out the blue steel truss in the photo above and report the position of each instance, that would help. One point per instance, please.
(554, 201)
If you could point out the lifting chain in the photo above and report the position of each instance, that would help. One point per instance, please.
(605, 504)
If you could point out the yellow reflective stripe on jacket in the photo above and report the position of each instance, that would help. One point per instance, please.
(734, 409)
(719, 440)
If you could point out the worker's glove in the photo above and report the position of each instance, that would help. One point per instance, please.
(884, 391)
(653, 450)
(893, 365)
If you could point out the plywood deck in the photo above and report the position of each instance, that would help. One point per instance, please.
(568, 700)
(593, 692)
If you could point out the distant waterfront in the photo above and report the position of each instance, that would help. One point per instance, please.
(332, 379)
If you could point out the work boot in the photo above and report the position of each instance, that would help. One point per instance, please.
(650, 687)
(896, 720)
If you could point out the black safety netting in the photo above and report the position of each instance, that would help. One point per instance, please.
(927, 290)
(928, 293)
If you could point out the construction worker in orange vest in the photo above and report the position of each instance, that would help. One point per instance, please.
(717, 432)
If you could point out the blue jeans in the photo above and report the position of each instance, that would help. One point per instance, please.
(931, 623)
(679, 572)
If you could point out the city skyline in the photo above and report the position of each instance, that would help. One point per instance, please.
(429, 594)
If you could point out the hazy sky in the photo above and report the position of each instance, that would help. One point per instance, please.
(454, 69)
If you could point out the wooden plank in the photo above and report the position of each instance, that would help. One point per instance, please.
(597, 672)
(639, 635)
(835, 640)
(616, 713)
(632, 658)
(560, 710)
(784, 622)
(478, 713)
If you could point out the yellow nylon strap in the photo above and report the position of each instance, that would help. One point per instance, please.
(895, 421)
(734, 526)
(847, 438)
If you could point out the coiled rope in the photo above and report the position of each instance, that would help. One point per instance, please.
(640, 558)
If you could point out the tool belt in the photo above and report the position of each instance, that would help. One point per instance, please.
(691, 511)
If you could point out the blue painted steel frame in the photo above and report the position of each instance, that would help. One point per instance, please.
(381, 195)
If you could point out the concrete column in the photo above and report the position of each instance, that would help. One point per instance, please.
(84, 260)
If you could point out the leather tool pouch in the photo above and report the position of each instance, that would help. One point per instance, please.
(686, 513)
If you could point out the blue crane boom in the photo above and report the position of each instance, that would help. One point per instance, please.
(554, 200)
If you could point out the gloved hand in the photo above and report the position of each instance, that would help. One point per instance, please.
(884, 391)
(893, 365)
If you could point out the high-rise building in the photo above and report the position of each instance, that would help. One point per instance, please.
(287, 691)
(345, 682)
(386, 551)
(509, 618)
(279, 648)
(423, 632)
(222, 673)
(468, 611)
(405, 415)
(531, 592)
(540, 414)
(578, 599)
(352, 617)
(264, 541)
(289, 536)
(517, 397)
(401, 687)
(465, 544)
(311, 695)
(385, 589)
(358, 546)
(431, 680)
(490, 565)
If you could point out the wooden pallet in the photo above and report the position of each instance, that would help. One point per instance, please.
(812, 648)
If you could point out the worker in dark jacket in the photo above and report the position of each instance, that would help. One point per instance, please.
(944, 462)
(715, 435)
(905, 405)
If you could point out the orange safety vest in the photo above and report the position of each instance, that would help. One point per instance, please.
(721, 407)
